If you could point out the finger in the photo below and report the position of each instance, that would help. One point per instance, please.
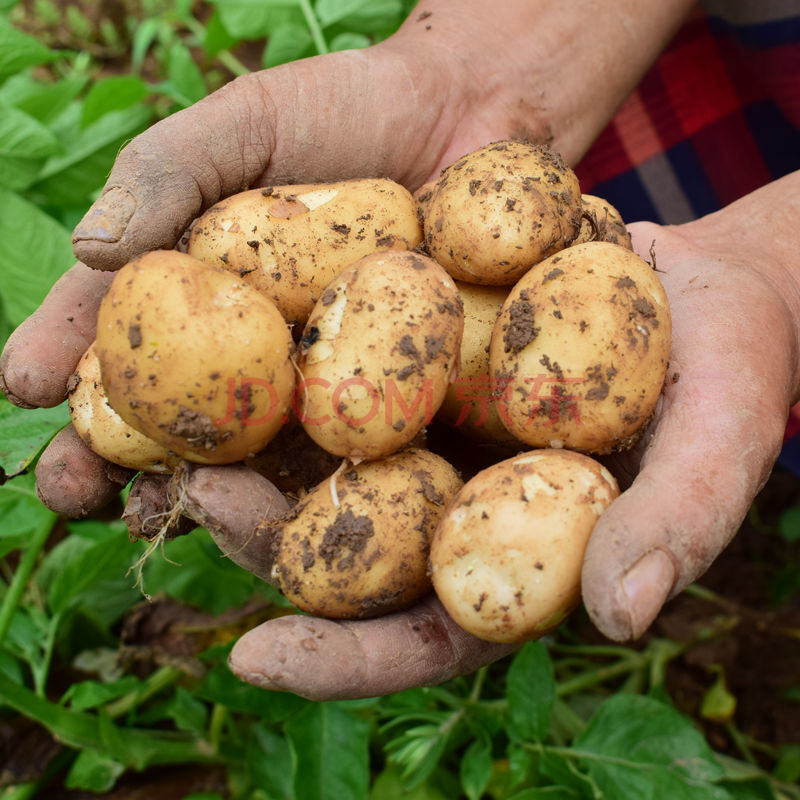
(42, 353)
(72, 480)
(327, 660)
(289, 124)
(717, 435)
(235, 504)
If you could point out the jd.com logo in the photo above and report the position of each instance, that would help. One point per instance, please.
(548, 397)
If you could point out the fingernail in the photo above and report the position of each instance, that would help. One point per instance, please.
(646, 586)
(108, 217)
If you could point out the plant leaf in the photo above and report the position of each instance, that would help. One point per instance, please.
(24, 145)
(24, 432)
(476, 769)
(531, 692)
(330, 750)
(34, 252)
(94, 771)
(287, 43)
(184, 76)
(19, 51)
(112, 94)
(268, 755)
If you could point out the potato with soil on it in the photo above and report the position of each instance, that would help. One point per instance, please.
(193, 358)
(501, 209)
(378, 353)
(580, 350)
(506, 558)
(469, 405)
(290, 242)
(601, 222)
(357, 545)
(103, 430)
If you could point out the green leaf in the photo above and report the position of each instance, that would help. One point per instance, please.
(531, 692)
(545, 793)
(19, 51)
(188, 713)
(638, 747)
(788, 766)
(361, 16)
(718, 703)
(789, 524)
(330, 753)
(390, 785)
(24, 432)
(24, 145)
(255, 19)
(112, 94)
(43, 101)
(34, 252)
(184, 76)
(287, 43)
(268, 756)
(91, 694)
(94, 771)
(216, 38)
(349, 41)
(476, 769)
(199, 574)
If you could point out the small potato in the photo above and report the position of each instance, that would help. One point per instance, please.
(377, 354)
(357, 545)
(103, 430)
(506, 558)
(469, 404)
(193, 358)
(501, 209)
(290, 242)
(601, 222)
(580, 350)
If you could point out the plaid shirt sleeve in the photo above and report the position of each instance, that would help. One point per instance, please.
(717, 116)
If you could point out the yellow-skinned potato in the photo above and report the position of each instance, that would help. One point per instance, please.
(601, 222)
(377, 354)
(506, 558)
(291, 241)
(368, 555)
(103, 430)
(501, 209)
(468, 405)
(580, 349)
(193, 358)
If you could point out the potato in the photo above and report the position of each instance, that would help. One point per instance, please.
(377, 354)
(193, 358)
(501, 209)
(506, 558)
(468, 404)
(103, 430)
(357, 545)
(580, 350)
(289, 242)
(601, 222)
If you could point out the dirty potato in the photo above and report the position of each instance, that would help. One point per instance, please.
(289, 242)
(357, 545)
(193, 358)
(501, 209)
(580, 350)
(103, 430)
(506, 558)
(377, 354)
(601, 222)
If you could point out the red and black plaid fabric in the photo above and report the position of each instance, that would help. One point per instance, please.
(716, 117)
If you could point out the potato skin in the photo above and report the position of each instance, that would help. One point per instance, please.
(468, 404)
(501, 209)
(290, 242)
(369, 556)
(506, 558)
(580, 349)
(193, 358)
(601, 222)
(377, 354)
(103, 430)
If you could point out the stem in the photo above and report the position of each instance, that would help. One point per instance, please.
(24, 570)
(314, 27)
(741, 744)
(219, 713)
(231, 63)
(160, 679)
(580, 682)
(42, 669)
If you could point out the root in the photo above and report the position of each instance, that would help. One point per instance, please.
(332, 484)
(262, 524)
(170, 519)
(303, 383)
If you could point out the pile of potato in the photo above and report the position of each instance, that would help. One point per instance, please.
(339, 319)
